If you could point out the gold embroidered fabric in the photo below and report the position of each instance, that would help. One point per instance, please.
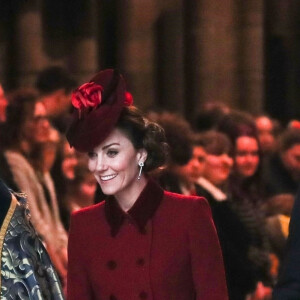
(26, 270)
(5, 224)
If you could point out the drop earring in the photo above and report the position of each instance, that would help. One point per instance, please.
(141, 164)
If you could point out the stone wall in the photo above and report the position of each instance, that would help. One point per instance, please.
(175, 54)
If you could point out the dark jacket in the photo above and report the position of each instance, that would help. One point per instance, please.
(277, 178)
(288, 286)
(234, 240)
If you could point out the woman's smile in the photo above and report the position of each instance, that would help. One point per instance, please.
(108, 177)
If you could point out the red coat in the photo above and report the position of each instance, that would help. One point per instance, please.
(164, 248)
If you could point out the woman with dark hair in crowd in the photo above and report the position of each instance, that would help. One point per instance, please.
(29, 150)
(141, 242)
(246, 188)
(81, 192)
(234, 238)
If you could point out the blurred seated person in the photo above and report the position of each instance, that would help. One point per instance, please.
(63, 169)
(80, 191)
(282, 173)
(266, 129)
(3, 105)
(234, 238)
(26, 269)
(28, 155)
(55, 86)
(174, 177)
(195, 166)
(288, 285)
(246, 188)
(209, 115)
(277, 229)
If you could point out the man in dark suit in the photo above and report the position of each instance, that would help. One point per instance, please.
(288, 286)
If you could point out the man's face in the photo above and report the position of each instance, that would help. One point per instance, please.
(217, 168)
(195, 167)
(291, 160)
(265, 129)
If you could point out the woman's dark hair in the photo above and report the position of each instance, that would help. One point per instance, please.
(179, 137)
(209, 115)
(237, 124)
(216, 143)
(289, 138)
(198, 139)
(20, 108)
(144, 134)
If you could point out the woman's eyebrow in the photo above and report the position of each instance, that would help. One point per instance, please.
(107, 146)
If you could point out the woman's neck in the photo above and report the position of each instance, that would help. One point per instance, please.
(127, 198)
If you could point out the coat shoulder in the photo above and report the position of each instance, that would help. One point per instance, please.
(186, 203)
(185, 200)
(90, 214)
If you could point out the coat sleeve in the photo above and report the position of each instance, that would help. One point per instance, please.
(78, 284)
(288, 286)
(206, 257)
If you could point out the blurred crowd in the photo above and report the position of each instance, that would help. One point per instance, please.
(246, 166)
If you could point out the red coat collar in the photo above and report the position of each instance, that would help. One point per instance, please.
(143, 209)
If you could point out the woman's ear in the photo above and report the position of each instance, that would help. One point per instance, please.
(142, 155)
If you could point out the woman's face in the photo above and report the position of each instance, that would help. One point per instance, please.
(247, 156)
(114, 164)
(36, 129)
(69, 161)
(196, 165)
(217, 168)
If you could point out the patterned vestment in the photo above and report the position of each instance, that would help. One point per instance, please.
(26, 270)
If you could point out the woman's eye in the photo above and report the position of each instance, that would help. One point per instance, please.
(112, 153)
(92, 155)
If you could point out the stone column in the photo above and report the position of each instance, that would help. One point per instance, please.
(136, 48)
(169, 45)
(250, 24)
(29, 43)
(211, 52)
(83, 59)
(3, 54)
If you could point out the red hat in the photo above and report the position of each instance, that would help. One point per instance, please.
(98, 106)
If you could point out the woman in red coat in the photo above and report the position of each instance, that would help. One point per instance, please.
(142, 242)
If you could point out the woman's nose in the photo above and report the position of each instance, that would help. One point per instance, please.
(101, 165)
(96, 164)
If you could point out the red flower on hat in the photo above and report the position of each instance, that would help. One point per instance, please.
(88, 95)
(128, 99)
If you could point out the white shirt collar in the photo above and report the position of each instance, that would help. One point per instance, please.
(216, 192)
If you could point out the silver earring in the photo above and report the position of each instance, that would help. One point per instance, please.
(141, 164)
